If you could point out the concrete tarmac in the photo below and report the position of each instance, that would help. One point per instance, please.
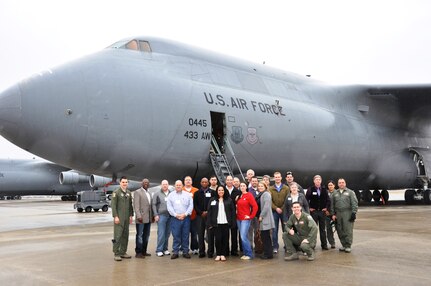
(46, 242)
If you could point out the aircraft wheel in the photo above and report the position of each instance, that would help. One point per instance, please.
(109, 197)
(427, 197)
(358, 195)
(80, 210)
(376, 197)
(105, 208)
(385, 197)
(63, 198)
(367, 196)
(96, 210)
(409, 196)
(1, 198)
(88, 209)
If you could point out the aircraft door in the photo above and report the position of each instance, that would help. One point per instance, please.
(218, 130)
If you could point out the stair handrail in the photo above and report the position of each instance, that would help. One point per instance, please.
(226, 140)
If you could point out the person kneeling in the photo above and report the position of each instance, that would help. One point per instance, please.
(301, 234)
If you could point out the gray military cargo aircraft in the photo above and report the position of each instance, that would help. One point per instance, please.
(23, 177)
(152, 107)
(30, 177)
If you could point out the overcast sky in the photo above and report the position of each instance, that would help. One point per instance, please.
(335, 41)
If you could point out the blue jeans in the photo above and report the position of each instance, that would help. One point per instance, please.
(277, 217)
(243, 226)
(142, 237)
(163, 232)
(180, 232)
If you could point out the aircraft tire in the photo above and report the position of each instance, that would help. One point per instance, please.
(409, 196)
(376, 197)
(427, 197)
(358, 195)
(367, 196)
(385, 196)
(80, 210)
(105, 208)
(96, 210)
(88, 209)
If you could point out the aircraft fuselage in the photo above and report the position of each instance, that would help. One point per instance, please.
(152, 114)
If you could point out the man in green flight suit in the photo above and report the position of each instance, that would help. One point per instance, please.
(122, 211)
(344, 206)
(301, 232)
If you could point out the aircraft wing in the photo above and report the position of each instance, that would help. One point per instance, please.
(420, 92)
(412, 102)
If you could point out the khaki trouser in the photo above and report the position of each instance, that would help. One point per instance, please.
(293, 242)
(345, 228)
(121, 238)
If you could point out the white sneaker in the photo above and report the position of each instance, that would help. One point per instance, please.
(275, 251)
(245, 257)
(159, 254)
(166, 252)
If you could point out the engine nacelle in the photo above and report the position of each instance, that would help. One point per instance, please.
(71, 178)
(99, 181)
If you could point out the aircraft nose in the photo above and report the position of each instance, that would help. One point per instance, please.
(10, 112)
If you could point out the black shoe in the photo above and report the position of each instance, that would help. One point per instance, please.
(186, 255)
(146, 254)
(333, 246)
(210, 256)
(325, 247)
(202, 255)
(174, 256)
(266, 257)
(234, 254)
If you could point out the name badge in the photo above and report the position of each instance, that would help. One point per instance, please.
(208, 195)
(345, 193)
(289, 199)
(213, 203)
(314, 193)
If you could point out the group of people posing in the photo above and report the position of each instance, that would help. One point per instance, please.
(246, 212)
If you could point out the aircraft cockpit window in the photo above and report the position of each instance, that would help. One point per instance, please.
(145, 46)
(132, 45)
(136, 45)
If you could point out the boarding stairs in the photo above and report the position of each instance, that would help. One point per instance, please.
(219, 161)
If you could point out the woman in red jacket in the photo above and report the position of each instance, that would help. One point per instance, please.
(246, 209)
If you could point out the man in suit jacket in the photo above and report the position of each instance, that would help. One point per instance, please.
(318, 201)
(234, 195)
(144, 217)
(200, 203)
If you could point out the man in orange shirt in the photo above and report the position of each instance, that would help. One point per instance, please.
(188, 187)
